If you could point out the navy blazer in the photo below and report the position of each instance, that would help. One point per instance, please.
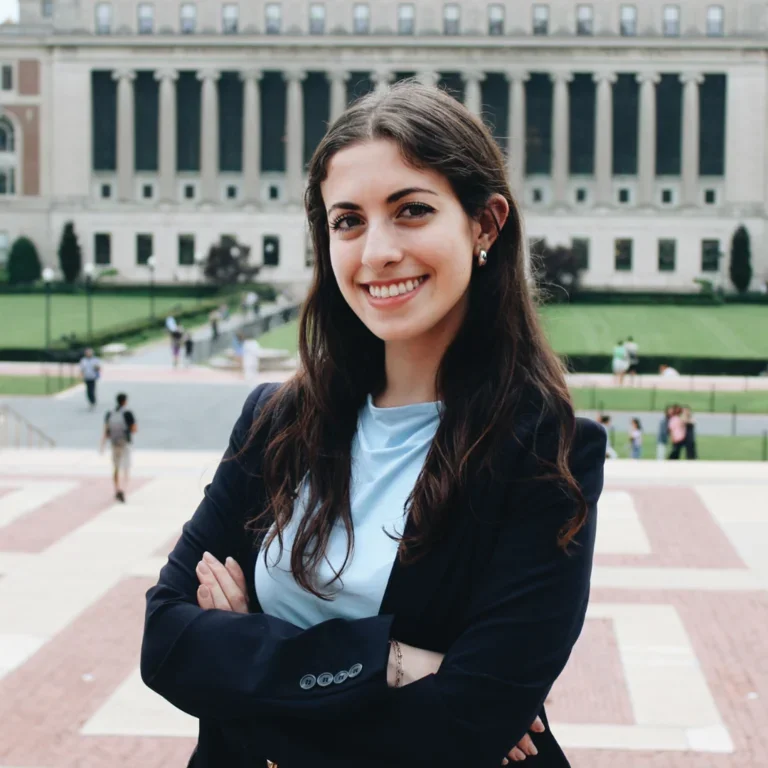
(497, 596)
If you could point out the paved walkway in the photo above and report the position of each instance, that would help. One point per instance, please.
(669, 671)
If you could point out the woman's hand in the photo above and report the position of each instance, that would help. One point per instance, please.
(221, 586)
(419, 662)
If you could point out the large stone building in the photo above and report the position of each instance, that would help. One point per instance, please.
(637, 131)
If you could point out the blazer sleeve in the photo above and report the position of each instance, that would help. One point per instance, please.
(229, 666)
(525, 616)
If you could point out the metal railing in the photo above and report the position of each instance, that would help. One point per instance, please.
(268, 319)
(17, 432)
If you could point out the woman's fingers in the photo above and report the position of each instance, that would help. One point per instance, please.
(208, 580)
(538, 726)
(235, 594)
(515, 756)
(236, 572)
(205, 598)
(527, 746)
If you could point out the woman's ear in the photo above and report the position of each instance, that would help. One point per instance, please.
(492, 220)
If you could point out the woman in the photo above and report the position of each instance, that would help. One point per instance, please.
(662, 435)
(420, 615)
(690, 433)
(619, 362)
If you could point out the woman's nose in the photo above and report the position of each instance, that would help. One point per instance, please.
(381, 248)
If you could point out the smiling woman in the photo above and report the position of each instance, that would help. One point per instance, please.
(392, 563)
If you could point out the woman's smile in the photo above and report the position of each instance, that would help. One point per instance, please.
(393, 293)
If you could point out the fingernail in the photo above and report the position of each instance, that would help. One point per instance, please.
(208, 557)
(505, 761)
(229, 561)
(203, 590)
(534, 751)
(203, 566)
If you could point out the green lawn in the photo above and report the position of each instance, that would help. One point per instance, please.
(35, 385)
(709, 447)
(726, 331)
(24, 315)
(625, 399)
(723, 331)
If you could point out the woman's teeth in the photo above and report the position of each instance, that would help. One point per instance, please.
(396, 289)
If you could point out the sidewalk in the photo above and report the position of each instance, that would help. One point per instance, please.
(683, 383)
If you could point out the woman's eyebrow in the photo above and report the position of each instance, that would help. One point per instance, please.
(393, 198)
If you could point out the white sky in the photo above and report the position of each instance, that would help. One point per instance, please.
(9, 8)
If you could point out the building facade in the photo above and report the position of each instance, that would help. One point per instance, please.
(634, 131)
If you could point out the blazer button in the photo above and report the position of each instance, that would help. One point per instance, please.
(340, 677)
(355, 670)
(325, 679)
(307, 682)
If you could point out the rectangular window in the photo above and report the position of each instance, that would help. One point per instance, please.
(580, 249)
(188, 18)
(495, 19)
(406, 19)
(317, 19)
(146, 18)
(628, 20)
(274, 18)
(103, 18)
(710, 255)
(143, 248)
(540, 19)
(361, 18)
(6, 81)
(47, 9)
(667, 255)
(671, 25)
(715, 21)
(271, 251)
(186, 250)
(102, 248)
(451, 18)
(584, 20)
(622, 255)
(230, 18)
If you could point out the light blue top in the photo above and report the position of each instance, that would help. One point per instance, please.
(388, 453)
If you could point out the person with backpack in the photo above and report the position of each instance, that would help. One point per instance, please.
(119, 426)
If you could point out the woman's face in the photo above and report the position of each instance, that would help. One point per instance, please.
(401, 245)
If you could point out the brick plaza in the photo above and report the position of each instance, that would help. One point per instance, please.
(671, 670)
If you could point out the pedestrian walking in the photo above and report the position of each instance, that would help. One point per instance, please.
(610, 451)
(662, 436)
(90, 369)
(690, 433)
(189, 347)
(429, 422)
(633, 358)
(636, 439)
(176, 337)
(619, 362)
(213, 319)
(119, 428)
(677, 431)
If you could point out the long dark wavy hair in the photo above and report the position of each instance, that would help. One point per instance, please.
(498, 367)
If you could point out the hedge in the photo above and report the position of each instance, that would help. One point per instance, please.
(689, 366)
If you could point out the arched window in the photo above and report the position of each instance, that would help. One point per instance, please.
(6, 135)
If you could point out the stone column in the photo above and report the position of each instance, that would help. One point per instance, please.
(339, 79)
(429, 77)
(209, 135)
(691, 127)
(295, 135)
(517, 131)
(560, 133)
(167, 133)
(646, 139)
(473, 94)
(251, 135)
(604, 137)
(381, 78)
(125, 133)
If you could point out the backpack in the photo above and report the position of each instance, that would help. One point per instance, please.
(117, 429)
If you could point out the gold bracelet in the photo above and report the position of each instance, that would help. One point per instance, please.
(399, 658)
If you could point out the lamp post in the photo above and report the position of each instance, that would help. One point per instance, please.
(151, 263)
(48, 275)
(89, 269)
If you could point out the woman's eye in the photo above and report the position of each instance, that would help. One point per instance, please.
(336, 223)
(417, 210)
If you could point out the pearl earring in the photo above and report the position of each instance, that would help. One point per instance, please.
(482, 258)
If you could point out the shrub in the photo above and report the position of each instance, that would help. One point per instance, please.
(23, 262)
(70, 255)
(741, 260)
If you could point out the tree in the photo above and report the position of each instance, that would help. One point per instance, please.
(741, 260)
(70, 255)
(227, 263)
(23, 262)
(556, 271)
